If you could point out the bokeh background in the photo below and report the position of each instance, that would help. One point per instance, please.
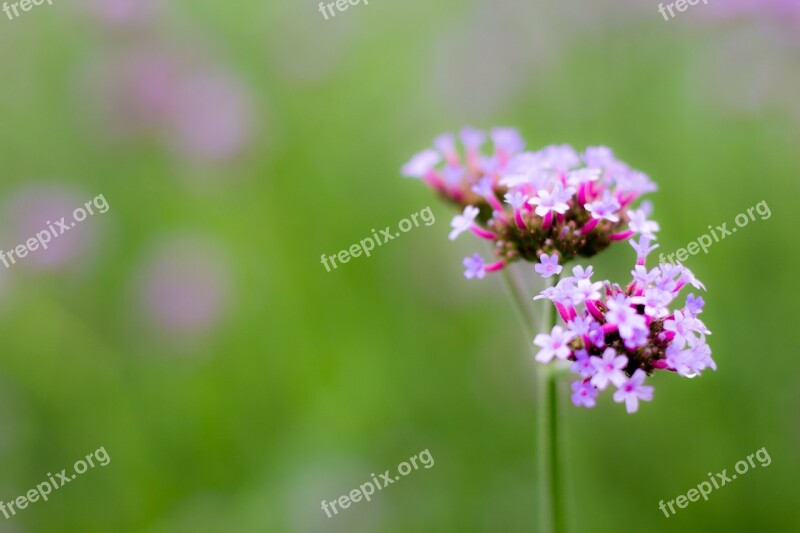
(192, 331)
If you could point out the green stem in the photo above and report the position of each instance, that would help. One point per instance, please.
(551, 511)
(549, 441)
(517, 292)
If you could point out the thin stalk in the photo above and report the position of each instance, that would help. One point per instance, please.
(549, 441)
(549, 460)
(522, 301)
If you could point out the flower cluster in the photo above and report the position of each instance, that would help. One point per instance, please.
(619, 336)
(549, 205)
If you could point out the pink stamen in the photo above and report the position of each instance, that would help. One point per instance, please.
(473, 160)
(495, 203)
(433, 179)
(582, 193)
(594, 311)
(502, 157)
(625, 200)
(621, 236)
(563, 312)
(589, 226)
(482, 233)
(548, 221)
(495, 266)
(518, 219)
(452, 159)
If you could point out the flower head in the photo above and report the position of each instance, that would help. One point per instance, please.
(618, 336)
(557, 202)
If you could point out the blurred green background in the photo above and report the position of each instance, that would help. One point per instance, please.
(193, 333)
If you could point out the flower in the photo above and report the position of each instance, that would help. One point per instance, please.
(553, 345)
(549, 266)
(608, 369)
(632, 391)
(605, 208)
(642, 248)
(463, 222)
(622, 315)
(547, 201)
(638, 223)
(421, 164)
(516, 200)
(583, 394)
(475, 267)
(620, 335)
(580, 273)
(557, 202)
(582, 365)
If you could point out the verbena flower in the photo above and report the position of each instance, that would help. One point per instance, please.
(619, 336)
(547, 206)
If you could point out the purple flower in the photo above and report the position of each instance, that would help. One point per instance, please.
(507, 140)
(583, 394)
(638, 222)
(608, 369)
(624, 317)
(596, 335)
(563, 197)
(560, 158)
(579, 326)
(655, 301)
(605, 208)
(642, 248)
(618, 330)
(446, 144)
(184, 289)
(463, 222)
(421, 164)
(576, 210)
(580, 273)
(694, 306)
(475, 267)
(642, 277)
(581, 176)
(210, 119)
(554, 345)
(472, 139)
(516, 199)
(598, 156)
(586, 290)
(632, 390)
(555, 200)
(583, 364)
(548, 266)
